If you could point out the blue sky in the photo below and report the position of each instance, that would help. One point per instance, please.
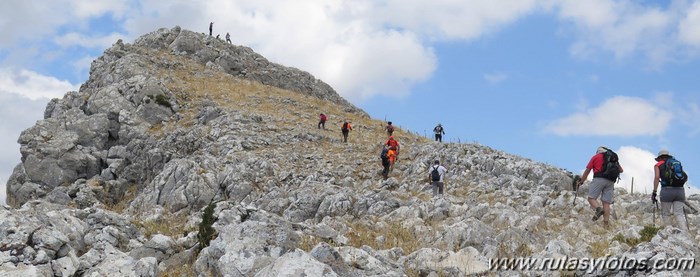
(544, 79)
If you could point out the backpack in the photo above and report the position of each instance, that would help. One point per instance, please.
(384, 155)
(611, 166)
(345, 127)
(672, 173)
(390, 128)
(323, 117)
(435, 174)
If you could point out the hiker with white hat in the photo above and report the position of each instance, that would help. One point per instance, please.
(606, 170)
(672, 193)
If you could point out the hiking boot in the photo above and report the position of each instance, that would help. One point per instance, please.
(598, 213)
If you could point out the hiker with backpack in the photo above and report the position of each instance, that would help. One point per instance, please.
(322, 121)
(389, 129)
(393, 145)
(392, 155)
(606, 170)
(386, 162)
(669, 173)
(345, 128)
(439, 131)
(436, 175)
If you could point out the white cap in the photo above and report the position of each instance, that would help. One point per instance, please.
(663, 152)
(601, 149)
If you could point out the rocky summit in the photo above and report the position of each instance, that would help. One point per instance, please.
(183, 155)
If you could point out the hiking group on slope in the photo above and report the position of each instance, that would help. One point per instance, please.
(604, 165)
(606, 169)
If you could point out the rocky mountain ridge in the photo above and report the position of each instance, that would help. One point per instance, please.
(114, 181)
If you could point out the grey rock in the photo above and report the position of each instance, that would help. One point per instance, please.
(296, 263)
(146, 267)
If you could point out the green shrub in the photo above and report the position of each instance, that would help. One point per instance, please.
(206, 232)
(161, 100)
(646, 235)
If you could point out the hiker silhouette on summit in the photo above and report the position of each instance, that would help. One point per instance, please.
(211, 28)
(439, 131)
(606, 170)
(672, 193)
(228, 38)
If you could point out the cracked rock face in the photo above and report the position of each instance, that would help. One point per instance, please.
(115, 178)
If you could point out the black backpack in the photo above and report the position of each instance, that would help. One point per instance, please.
(384, 155)
(435, 174)
(345, 127)
(672, 173)
(611, 166)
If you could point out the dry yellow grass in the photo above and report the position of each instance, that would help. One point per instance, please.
(395, 235)
(129, 195)
(172, 225)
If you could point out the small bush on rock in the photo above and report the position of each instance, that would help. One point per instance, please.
(206, 232)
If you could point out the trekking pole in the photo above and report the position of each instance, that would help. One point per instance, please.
(575, 184)
(656, 206)
(687, 225)
(693, 209)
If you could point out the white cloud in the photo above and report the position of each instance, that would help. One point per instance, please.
(617, 116)
(495, 78)
(688, 30)
(623, 28)
(451, 20)
(362, 48)
(36, 20)
(32, 85)
(638, 164)
(76, 39)
(92, 8)
(690, 116)
(82, 66)
(3, 191)
(17, 113)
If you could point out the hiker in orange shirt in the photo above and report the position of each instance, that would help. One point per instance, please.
(392, 158)
(393, 148)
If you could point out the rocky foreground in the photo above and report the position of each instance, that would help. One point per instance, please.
(115, 181)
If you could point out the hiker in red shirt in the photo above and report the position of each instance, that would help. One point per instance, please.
(605, 174)
(672, 194)
(393, 145)
(322, 122)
